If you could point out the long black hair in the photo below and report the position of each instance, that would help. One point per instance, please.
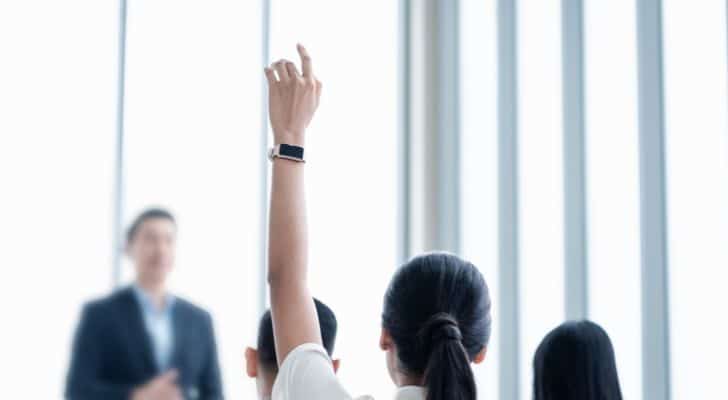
(437, 311)
(576, 362)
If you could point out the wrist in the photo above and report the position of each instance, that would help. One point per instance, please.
(289, 137)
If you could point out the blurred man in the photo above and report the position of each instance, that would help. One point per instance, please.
(262, 364)
(141, 342)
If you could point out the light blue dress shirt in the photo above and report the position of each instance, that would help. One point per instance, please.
(159, 326)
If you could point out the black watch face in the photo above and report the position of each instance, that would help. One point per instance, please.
(291, 151)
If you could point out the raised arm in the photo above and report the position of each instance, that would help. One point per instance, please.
(293, 100)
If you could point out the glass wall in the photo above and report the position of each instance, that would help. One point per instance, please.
(541, 175)
(57, 146)
(696, 108)
(612, 154)
(479, 161)
(193, 130)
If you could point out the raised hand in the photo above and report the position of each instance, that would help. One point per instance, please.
(293, 98)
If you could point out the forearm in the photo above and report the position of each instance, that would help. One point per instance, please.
(294, 315)
(288, 232)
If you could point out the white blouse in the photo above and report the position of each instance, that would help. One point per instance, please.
(307, 373)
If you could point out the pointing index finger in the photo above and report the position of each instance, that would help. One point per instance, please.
(306, 64)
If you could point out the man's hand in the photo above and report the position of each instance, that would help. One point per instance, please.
(163, 387)
(293, 98)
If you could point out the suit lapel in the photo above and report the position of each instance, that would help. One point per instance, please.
(137, 334)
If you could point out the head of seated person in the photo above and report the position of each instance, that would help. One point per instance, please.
(436, 322)
(576, 361)
(262, 363)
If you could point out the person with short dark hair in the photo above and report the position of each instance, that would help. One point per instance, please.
(576, 361)
(141, 342)
(262, 363)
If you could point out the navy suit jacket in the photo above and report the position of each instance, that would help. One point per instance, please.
(112, 352)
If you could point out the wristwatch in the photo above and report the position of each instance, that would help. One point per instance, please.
(287, 152)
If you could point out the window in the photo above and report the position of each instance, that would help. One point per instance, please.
(479, 162)
(193, 128)
(612, 156)
(697, 173)
(57, 137)
(541, 176)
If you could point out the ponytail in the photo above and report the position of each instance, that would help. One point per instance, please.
(437, 311)
(448, 375)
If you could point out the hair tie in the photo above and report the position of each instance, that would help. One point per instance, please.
(440, 327)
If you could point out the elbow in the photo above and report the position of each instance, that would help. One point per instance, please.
(280, 276)
(281, 269)
(274, 277)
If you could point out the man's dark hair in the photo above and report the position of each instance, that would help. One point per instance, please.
(149, 213)
(266, 342)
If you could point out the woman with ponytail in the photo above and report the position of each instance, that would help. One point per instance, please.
(436, 321)
(436, 318)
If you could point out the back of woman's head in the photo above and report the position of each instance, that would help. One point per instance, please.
(437, 311)
(576, 361)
